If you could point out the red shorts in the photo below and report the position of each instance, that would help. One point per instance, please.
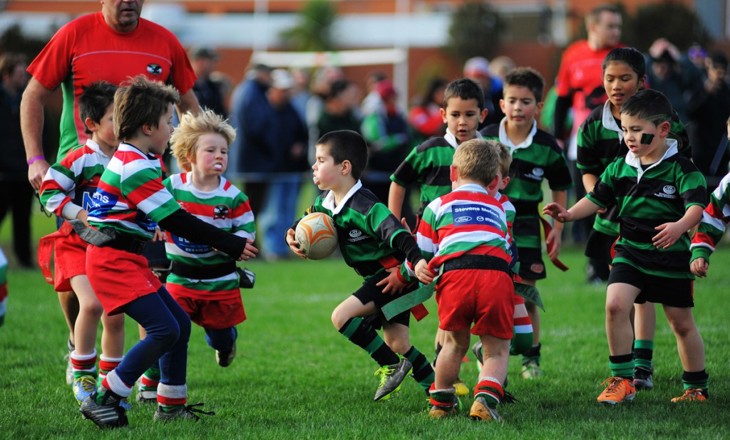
(69, 260)
(118, 277)
(215, 314)
(482, 297)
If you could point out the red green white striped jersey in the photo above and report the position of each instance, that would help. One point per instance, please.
(131, 198)
(69, 185)
(226, 208)
(467, 220)
(714, 222)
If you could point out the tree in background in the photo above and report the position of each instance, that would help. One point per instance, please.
(672, 20)
(475, 30)
(313, 32)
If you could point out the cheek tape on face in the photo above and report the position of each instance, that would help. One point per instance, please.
(646, 138)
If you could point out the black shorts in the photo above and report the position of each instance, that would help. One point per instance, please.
(673, 292)
(531, 265)
(369, 292)
(599, 245)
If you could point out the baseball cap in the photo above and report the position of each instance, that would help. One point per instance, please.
(281, 79)
(476, 66)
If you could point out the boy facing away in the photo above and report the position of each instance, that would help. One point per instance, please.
(659, 196)
(67, 191)
(464, 234)
(374, 243)
(128, 204)
(535, 156)
(428, 164)
(204, 281)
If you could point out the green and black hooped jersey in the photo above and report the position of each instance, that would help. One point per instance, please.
(365, 230)
(647, 197)
(538, 157)
(600, 142)
(428, 166)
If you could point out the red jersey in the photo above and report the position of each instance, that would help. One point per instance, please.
(581, 73)
(86, 50)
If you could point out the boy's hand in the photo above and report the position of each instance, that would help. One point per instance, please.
(158, 235)
(293, 244)
(83, 215)
(423, 273)
(668, 234)
(699, 267)
(557, 212)
(404, 222)
(393, 283)
(554, 240)
(249, 251)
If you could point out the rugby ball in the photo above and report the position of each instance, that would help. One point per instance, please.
(316, 235)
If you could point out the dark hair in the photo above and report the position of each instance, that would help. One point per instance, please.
(529, 78)
(141, 101)
(632, 57)
(595, 14)
(95, 99)
(9, 61)
(649, 105)
(347, 145)
(433, 85)
(337, 88)
(465, 89)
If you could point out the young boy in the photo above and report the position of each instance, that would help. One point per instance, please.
(465, 235)
(428, 164)
(66, 191)
(659, 196)
(600, 142)
(204, 281)
(713, 225)
(535, 156)
(128, 204)
(374, 243)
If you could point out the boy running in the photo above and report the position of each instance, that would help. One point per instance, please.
(374, 243)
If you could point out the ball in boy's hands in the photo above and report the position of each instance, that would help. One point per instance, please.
(316, 235)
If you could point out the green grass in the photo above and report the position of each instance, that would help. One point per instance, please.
(296, 377)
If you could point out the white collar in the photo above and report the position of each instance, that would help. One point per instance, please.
(634, 161)
(609, 122)
(451, 139)
(503, 138)
(95, 147)
(329, 199)
(472, 187)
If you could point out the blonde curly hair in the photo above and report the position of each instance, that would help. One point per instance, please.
(184, 139)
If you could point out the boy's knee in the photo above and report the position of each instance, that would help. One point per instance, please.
(682, 328)
(94, 309)
(168, 335)
(338, 318)
(616, 309)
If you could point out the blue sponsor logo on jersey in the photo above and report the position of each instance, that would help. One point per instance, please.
(99, 203)
(474, 214)
(190, 247)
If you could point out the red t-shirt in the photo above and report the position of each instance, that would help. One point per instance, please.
(581, 73)
(87, 50)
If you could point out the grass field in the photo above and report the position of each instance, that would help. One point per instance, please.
(296, 377)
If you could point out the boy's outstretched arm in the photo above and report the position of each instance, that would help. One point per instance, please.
(669, 233)
(396, 196)
(582, 209)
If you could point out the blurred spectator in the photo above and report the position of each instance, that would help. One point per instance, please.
(209, 92)
(708, 113)
(248, 153)
(321, 84)
(677, 78)
(388, 136)
(285, 135)
(16, 193)
(499, 67)
(373, 102)
(697, 55)
(425, 117)
(477, 69)
(339, 111)
(300, 93)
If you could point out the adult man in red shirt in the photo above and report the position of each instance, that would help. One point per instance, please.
(113, 45)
